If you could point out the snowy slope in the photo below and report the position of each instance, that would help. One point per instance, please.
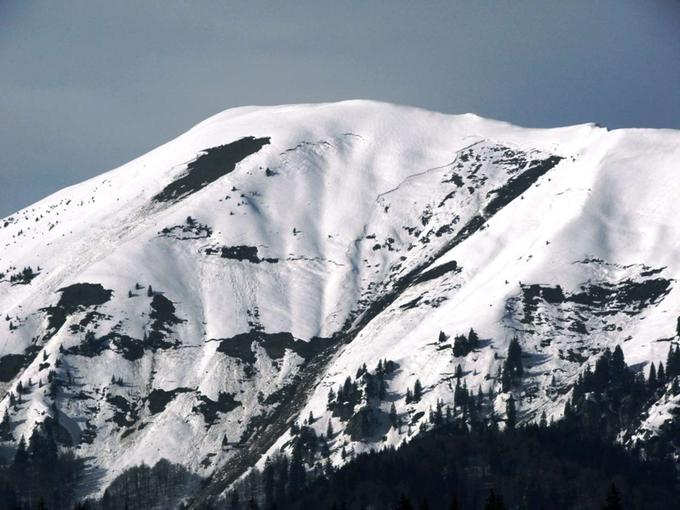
(287, 246)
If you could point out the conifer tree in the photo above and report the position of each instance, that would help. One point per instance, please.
(382, 388)
(661, 375)
(512, 368)
(613, 500)
(21, 455)
(6, 428)
(234, 503)
(515, 358)
(494, 502)
(473, 339)
(651, 381)
(268, 483)
(460, 346)
(506, 378)
(417, 391)
(460, 396)
(394, 418)
(618, 363)
(673, 362)
(511, 413)
(297, 474)
(455, 505)
(404, 503)
(282, 480)
(670, 363)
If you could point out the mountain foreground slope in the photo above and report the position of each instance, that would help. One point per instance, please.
(198, 303)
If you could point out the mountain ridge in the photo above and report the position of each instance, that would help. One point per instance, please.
(370, 225)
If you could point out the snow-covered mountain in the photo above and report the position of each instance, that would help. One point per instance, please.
(196, 302)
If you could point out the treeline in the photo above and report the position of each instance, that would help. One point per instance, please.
(39, 475)
(147, 488)
(610, 399)
(467, 461)
(553, 467)
(466, 458)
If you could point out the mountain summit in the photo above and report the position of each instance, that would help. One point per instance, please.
(199, 303)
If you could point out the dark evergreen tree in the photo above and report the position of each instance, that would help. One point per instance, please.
(494, 502)
(281, 488)
(404, 503)
(613, 500)
(234, 502)
(21, 455)
(661, 375)
(417, 391)
(651, 380)
(460, 347)
(297, 474)
(673, 362)
(473, 339)
(514, 359)
(512, 368)
(460, 396)
(455, 505)
(394, 418)
(6, 428)
(506, 378)
(268, 483)
(618, 363)
(510, 413)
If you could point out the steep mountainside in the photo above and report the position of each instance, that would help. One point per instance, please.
(195, 303)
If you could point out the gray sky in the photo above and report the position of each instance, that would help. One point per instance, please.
(88, 85)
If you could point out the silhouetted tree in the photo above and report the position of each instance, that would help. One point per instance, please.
(613, 500)
(494, 502)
